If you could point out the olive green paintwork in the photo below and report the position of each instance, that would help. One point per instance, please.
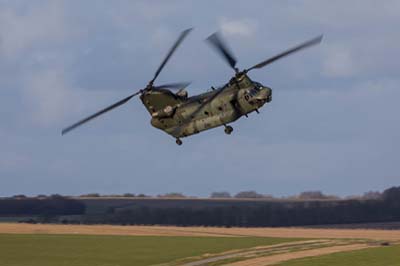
(238, 97)
(180, 116)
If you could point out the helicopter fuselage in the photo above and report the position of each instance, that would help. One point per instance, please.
(180, 116)
(237, 98)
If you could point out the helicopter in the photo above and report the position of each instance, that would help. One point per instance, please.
(181, 116)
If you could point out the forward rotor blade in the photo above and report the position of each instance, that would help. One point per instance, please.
(173, 86)
(219, 45)
(109, 108)
(171, 51)
(309, 43)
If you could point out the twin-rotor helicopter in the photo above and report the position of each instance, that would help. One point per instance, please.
(181, 116)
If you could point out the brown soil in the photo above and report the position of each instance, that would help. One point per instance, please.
(299, 232)
(198, 231)
(274, 259)
(10, 228)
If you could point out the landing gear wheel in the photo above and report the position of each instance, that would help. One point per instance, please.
(228, 130)
(179, 141)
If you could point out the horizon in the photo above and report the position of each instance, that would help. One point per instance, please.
(188, 196)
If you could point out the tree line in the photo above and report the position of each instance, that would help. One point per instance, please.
(258, 214)
(48, 206)
(381, 207)
(248, 194)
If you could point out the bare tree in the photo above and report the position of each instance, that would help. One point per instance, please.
(372, 195)
(315, 195)
(172, 195)
(251, 194)
(221, 194)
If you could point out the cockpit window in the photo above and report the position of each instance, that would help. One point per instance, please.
(253, 91)
(258, 85)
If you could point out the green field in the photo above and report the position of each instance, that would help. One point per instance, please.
(83, 250)
(382, 256)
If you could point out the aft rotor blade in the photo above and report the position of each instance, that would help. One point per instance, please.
(109, 108)
(171, 51)
(219, 45)
(309, 43)
(173, 86)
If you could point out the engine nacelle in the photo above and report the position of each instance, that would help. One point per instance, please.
(182, 93)
(167, 111)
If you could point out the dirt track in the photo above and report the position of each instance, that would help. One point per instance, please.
(275, 259)
(256, 252)
(197, 231)
(275, 254)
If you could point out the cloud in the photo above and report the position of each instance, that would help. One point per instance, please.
(339, 62)
(12, 161)
(238, 27)
(162, 36)
(38, 25)
(49, 97)
(33, 40)
(340, 112)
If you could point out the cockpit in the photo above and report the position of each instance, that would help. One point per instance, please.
(259, 94)
(253, 92)
(258, 85)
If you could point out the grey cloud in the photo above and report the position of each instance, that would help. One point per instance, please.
(333, 120)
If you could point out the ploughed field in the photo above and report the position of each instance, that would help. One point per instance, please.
(281, 232)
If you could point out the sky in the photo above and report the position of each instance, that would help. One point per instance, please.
(333, 124)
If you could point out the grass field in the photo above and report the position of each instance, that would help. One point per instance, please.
(81, 245)
(84, 250)
(382, 256)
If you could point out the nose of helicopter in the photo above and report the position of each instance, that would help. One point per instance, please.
(265, 94)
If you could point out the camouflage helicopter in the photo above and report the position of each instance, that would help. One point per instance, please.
(180, 116)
